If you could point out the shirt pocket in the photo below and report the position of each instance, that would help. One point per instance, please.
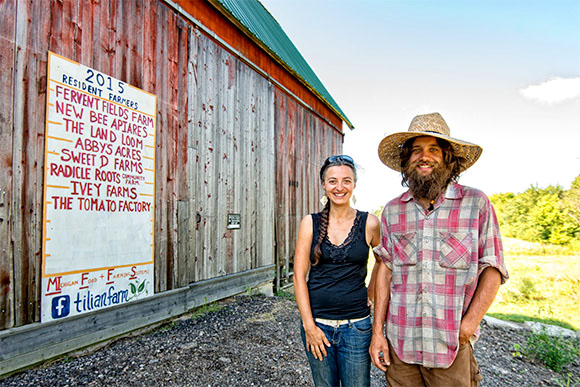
(455, 250)
(405, 249)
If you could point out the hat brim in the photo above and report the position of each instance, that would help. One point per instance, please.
(390, 149)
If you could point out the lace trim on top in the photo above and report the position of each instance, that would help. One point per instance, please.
(339, 254)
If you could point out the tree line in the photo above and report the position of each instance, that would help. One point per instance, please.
(547, 215)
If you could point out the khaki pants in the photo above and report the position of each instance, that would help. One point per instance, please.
(463, 372)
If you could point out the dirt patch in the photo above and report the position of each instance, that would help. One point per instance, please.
(250, 341)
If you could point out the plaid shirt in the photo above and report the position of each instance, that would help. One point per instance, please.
(436, 259)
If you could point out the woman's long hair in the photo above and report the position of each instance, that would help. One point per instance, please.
(323, 229)
(322, 232)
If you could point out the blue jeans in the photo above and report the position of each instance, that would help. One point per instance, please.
(348, 362)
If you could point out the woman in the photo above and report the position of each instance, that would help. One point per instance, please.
(334, 303)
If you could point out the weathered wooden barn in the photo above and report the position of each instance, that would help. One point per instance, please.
(242, 127)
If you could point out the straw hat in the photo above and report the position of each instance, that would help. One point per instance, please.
(426, 125)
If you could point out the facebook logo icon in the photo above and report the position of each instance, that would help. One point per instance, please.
(60, 306)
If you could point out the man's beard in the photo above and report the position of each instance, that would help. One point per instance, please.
(430, 186)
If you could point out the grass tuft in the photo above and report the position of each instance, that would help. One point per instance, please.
(555, 352)
(205, 309)
(284, 294)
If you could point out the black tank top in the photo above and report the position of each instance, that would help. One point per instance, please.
(337, 283)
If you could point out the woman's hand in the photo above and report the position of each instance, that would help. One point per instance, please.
(316, 341)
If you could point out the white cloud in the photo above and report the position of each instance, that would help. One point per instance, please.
(553, 91)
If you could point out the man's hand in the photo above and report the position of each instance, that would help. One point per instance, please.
(466, 330)
(379, 348)
(379, 351)
(487, 287)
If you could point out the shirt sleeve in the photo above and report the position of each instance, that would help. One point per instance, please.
(381, 250)
(490, 245)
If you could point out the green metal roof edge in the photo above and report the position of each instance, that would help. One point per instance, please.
(262, 26)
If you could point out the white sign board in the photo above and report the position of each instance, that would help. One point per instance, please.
(99, 191)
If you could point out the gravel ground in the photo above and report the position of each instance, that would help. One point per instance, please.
(249, 341)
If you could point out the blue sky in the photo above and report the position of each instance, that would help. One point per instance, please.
(504, 75)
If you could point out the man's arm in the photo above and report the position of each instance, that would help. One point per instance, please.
(373, 232)
(487, 287)
(382, 296)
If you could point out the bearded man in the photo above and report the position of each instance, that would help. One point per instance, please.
(443, 261)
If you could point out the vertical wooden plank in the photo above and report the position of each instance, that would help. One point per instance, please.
(265, 236)
(180, 107)
(249, 183)
(268, 244)
(21, 266)
(302, 169)
(243, 95)
(197, 143)
(191, 261)
(234, 241)
(104, 36)
(83, 32)
(163, 218)
(222, 247)
(282, 208)
(247, 159)
(170, 75)
(149, 47)
(163, 211)
(193, 127)
(227, 238)
(181, 276)
(257, 188)
(205, 148)
(210, 167)
(150, 43)
(62, 29)
(136, 66)
(200, 143)
(125, 20)
(238, 180)
(176, 69)
(7, 57)
(28, 146)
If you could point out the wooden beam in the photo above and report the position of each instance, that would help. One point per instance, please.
(31, 344)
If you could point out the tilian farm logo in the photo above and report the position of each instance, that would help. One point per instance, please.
(84, 302)
(137, 289)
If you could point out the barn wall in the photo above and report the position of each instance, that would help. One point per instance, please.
(303, 142)
(231, 142)
(231, 139)
(206, 13)
(140, 42)
(214, 141)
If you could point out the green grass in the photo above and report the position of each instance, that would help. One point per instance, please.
(567, 381)
(555, 352)
(543, 288)
(285, 294)
(204, 309)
